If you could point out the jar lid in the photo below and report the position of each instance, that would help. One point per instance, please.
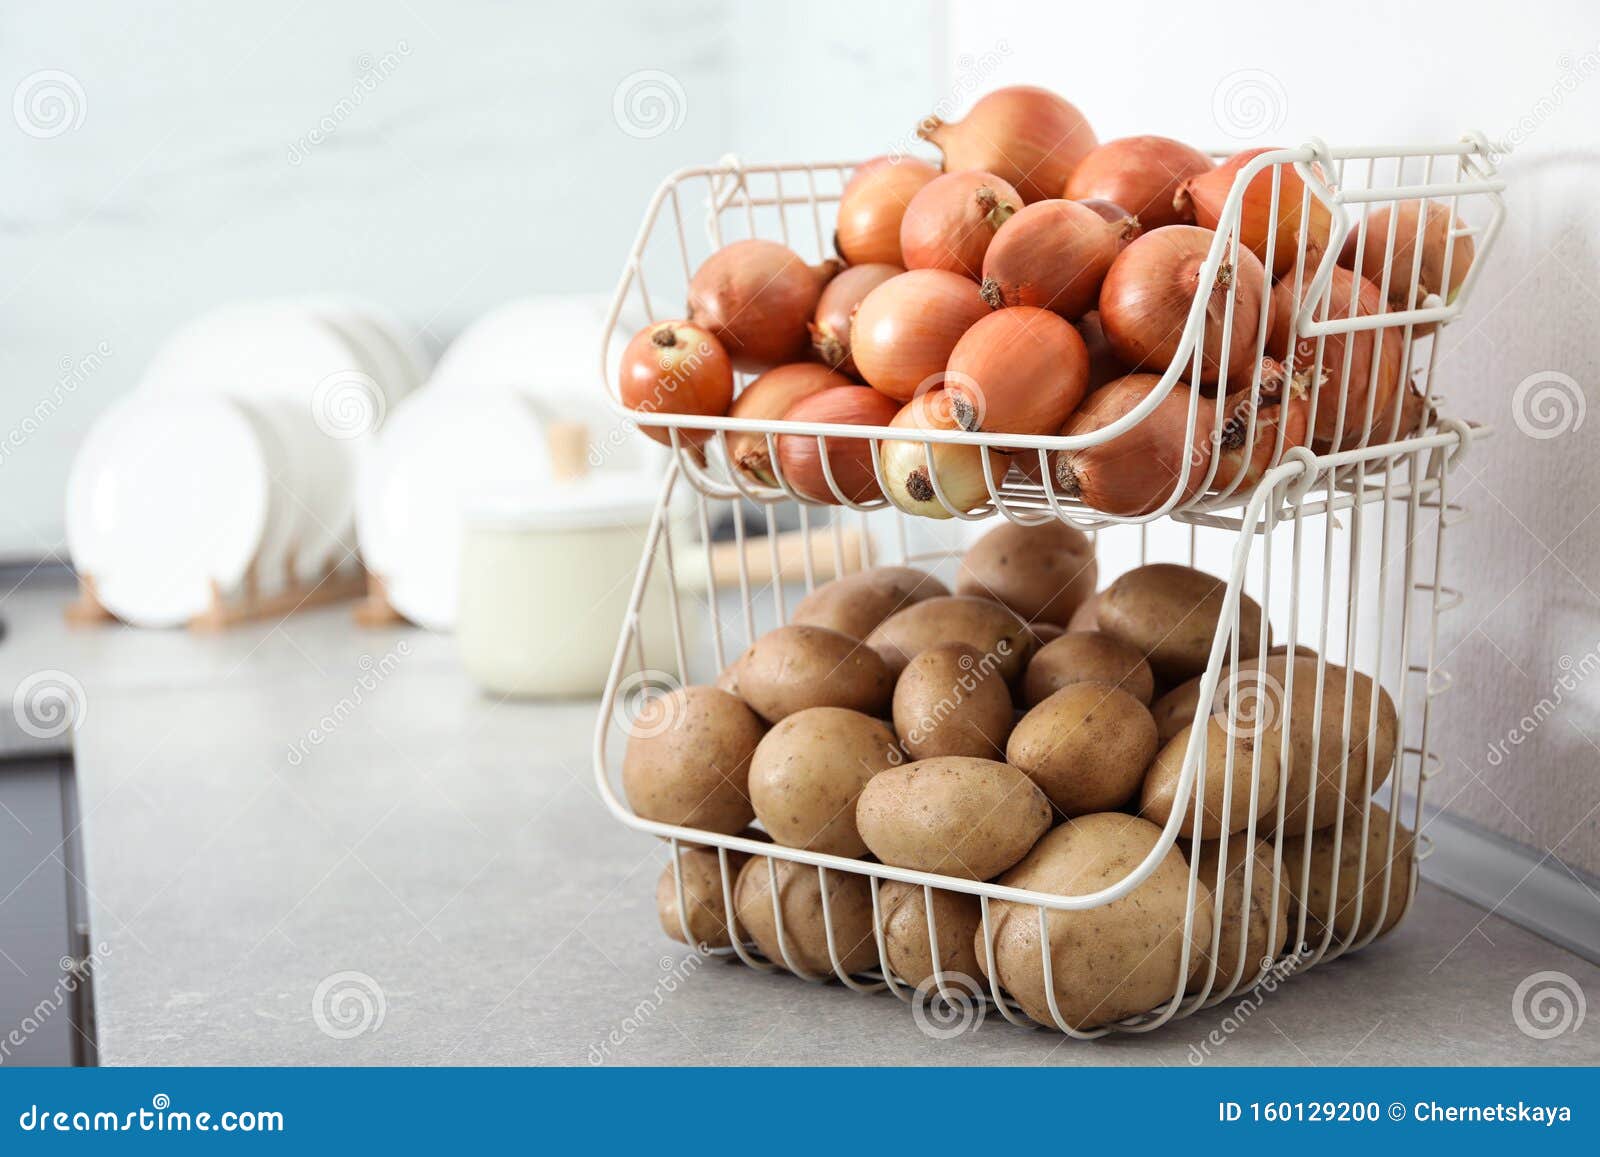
(593, 502)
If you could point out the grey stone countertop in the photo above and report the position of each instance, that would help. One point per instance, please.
(435, 880)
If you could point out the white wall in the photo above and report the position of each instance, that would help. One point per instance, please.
(1381, 72)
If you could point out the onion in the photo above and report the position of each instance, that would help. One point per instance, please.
(1142, 174)
(1146, 298)
(1206, 193)
(757, 297)
(830, 332)
(676, 367)
(1413, 412)
(770, 397)
(1018, 371)
(1053, 255)
(849, 459)
(871, 206)
(1108, 210)
(1249, 463)
(904, 330)
(1358, 384)
(1103, 363)
(1137, 471)
(958, 469)
(1435, 242)
(952, 219)
(1029, 136)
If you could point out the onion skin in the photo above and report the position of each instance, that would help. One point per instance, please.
(1018, 371)
(830, 330)
(1103, 363)
(1249, 464)
(1136, 472)
(1029, 136)
(757, 298)
(952, 219)
(872, 205)
(770, 397)
(1435, 240)
(676, 367)
(1142, 174)
(1206, 193)
(850, 459)
(1146, 297)
(959, 469)
(1108, 210)
(1053, 255)
(1360, 346)
(904, 331)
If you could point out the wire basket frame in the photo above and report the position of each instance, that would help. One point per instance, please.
(1354, 572)
(793, 203)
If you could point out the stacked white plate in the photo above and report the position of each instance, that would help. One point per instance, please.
(479, 426)
(235, 461)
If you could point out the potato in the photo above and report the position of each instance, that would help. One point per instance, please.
(1170, 613)
(1046, 632)
(1043, 573)
(1086, 746)
(728, 677)
(805, 932)
(1159, 796)
(951, 701)
(1087, 657)
(1087, 616)
(808, 770)
(1110, 962)
(855, 604)
(796, 667)
(1319, 900)
(1265, 932)
(1175, 710)
(971, 818)
(702, 893)
(957, 917)
(1327, 750)
(985, 626)
(688, 760)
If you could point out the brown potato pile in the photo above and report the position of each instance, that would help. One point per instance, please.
(1030, 732)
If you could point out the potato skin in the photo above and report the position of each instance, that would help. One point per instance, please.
(1268, 924)
(1170, 613)
(702, 892)
(1328, 749)
(695, 771)
(804, 931)
(1317, 901)
(970, 818)
(957, 918)
(1087, 657)
(983, 625)
(808, 770)
(856, 603)
(948, 701)
(1087, 616)
(1043, 573)
(1086, 746)
(796, 667)
(1110, 962)
(1159, 794)
(1175, 710)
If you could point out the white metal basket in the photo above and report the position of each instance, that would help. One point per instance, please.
(1343, 550)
